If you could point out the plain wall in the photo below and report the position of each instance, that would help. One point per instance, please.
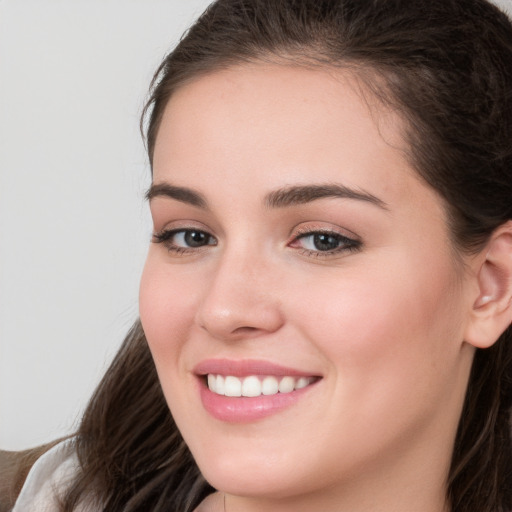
(73, 224)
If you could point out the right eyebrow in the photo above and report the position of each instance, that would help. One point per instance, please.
(182, 194)
(303, 194)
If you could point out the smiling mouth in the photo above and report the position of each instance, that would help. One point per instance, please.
(256, 385)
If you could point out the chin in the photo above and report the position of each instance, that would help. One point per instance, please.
(263, 473)
(256, 482)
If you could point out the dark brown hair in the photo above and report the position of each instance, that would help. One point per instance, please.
(446, 67)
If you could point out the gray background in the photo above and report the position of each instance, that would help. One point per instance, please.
(73, 172)
(73, 223)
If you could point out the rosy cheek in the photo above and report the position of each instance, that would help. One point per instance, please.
(168, 301)
(360, 318)
(157, 307)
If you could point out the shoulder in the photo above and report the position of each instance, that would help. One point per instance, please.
(14, 468)
(48, 479)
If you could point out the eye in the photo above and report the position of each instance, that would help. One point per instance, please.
(190, 238)
(184, 240)
(324, 243)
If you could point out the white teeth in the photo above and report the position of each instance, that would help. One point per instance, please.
(232, 386)
(302, 382)
(253, 385)
(270, 386)
(286, 385)
(219, 385)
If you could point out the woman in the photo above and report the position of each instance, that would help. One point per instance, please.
(327, 299)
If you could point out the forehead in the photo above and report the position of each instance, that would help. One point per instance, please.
(273, 125)
(275, 90)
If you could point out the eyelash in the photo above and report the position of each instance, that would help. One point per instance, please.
(345, 244)
(166, 237)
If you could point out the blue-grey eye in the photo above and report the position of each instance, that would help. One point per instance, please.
(322, 242)
(192, 238)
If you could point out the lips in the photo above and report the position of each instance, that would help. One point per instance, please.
(241, 391)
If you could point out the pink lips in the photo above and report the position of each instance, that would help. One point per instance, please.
(245, 367)
(244, 409)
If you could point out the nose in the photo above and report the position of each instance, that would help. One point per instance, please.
(240, 299)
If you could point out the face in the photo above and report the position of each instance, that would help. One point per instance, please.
(297, 259)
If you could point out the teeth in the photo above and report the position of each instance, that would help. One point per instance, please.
(270, 386)
(232, 386)
(286, 385)
(302, 382)
(219, 384)
(253, 385)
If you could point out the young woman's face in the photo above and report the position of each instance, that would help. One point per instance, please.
(295, 248)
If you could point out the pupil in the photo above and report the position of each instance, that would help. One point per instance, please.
(196, 238)
(325, 242)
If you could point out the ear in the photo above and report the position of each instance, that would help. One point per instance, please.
(492, 310)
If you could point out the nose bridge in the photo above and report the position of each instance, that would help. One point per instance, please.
(240, 299)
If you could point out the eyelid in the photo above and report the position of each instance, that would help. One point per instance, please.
(165, 237)
(182, 224)
(350, 241)
(306, 228)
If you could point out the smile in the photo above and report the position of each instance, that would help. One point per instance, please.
(254, 386)
(250, 390)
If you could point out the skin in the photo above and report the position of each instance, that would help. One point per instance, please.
(382, 324)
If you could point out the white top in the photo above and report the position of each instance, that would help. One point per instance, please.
(53, 472)
(48, 480)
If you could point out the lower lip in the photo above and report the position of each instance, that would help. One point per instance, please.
(245, 409)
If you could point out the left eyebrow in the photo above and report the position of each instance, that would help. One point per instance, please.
(302, 194)
(182, 194)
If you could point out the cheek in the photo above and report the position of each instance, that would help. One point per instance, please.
(166, 307)
(392, 343)
(388, 327)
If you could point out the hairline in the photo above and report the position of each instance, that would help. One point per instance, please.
(369, 80)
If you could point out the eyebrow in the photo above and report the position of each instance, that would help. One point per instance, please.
(302, 194)
(183, 194)
(281, 198)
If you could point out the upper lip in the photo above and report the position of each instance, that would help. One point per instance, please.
(245, 367)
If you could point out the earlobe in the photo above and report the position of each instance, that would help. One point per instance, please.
(492, 310)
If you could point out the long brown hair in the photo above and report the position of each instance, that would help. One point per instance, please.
(446, 67)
